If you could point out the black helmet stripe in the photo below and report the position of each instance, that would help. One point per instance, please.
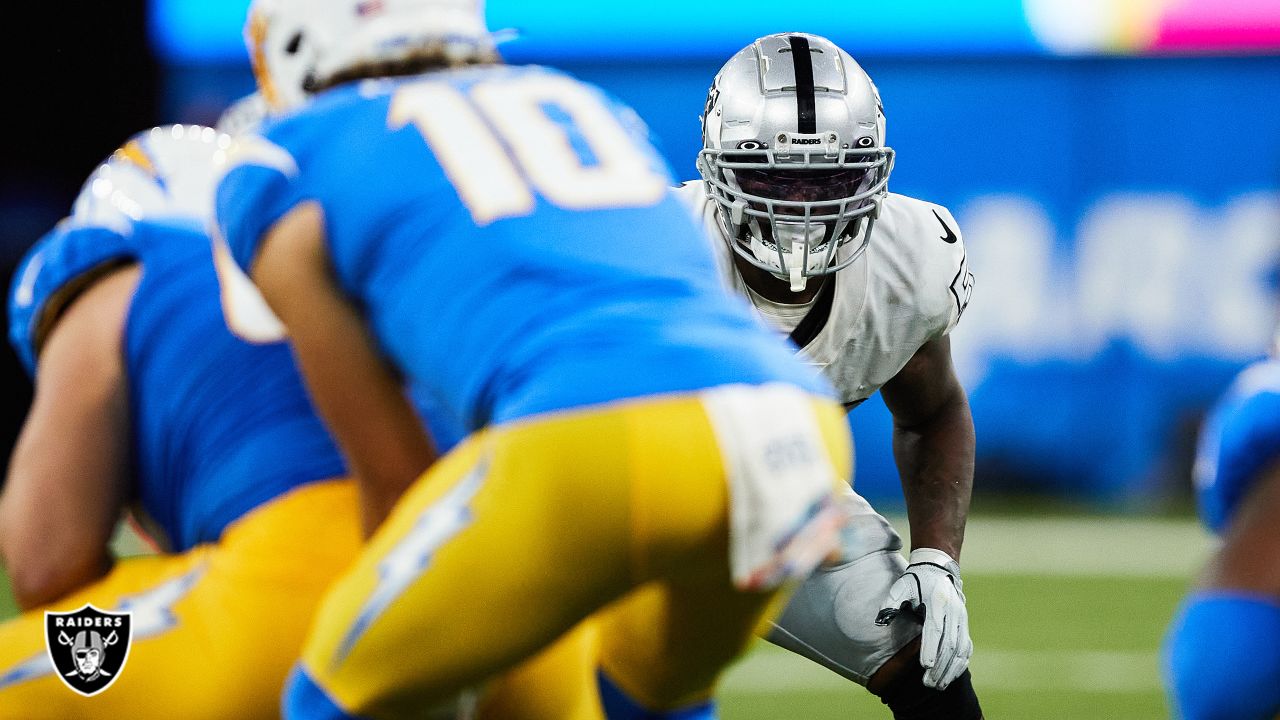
(807, 118)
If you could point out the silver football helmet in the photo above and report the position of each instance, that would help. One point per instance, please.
(794, 155)
(166, 172)
(296, 45)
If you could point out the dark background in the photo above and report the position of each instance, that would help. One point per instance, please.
(89, 83)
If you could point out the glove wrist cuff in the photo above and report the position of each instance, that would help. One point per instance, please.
(934, 556)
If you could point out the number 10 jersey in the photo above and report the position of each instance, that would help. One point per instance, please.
(511, 237)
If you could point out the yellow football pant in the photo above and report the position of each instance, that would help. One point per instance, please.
(215, 629)
(527, 528)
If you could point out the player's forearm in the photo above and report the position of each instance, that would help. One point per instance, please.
(935, 460)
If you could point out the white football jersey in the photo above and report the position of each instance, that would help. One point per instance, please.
(910, 287)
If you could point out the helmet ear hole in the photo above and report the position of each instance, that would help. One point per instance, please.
(865, 141)
(347, 39)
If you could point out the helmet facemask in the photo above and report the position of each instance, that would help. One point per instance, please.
(798, 214)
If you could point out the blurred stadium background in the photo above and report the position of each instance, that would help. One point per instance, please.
(1114, 165)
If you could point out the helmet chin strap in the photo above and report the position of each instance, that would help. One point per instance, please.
(801, 236)
(746, 232)
(798, 279)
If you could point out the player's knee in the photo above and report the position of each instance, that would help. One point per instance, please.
(831, 617)
(1220, 658)
(620, 705)
(904, 692)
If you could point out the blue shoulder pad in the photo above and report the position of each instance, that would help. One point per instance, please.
(1241, 437)
(54, 269)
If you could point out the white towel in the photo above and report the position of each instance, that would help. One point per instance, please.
(784, 517)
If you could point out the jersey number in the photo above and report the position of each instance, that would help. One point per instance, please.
(498, 145)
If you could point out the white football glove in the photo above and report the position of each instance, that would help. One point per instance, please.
(931, 589)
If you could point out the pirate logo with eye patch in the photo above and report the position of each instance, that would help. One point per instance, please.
(88, 647)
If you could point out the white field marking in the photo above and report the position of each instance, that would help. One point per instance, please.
(769, 670)
(1087, 546)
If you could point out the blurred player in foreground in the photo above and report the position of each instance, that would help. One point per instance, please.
(868, 284)
(1222, 651)
(481, 237)
(145, 400)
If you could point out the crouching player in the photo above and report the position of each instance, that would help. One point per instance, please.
(481, 239)
(868, 284)
(1222, 651)
(145, 400)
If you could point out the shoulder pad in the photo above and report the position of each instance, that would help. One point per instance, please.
(692, 193)
(54, 271)
(923, 241)
(1239, 439)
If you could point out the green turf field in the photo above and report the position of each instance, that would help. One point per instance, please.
(1066, 615)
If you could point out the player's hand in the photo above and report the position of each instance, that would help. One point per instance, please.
(931, 589)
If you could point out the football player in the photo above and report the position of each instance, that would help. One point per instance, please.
(868, 285)
(559, 683)
(478, 237)
(145, 400)
(1220, 653)
(197, 409)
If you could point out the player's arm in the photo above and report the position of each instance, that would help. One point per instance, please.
(1219, 656)
(359, 396)
(68, 479)
(933, 444)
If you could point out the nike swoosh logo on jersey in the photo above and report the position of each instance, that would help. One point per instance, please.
(950, 237)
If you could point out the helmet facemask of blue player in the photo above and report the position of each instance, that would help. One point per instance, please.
(794, 156)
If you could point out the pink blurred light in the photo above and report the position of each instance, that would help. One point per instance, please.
(1220, 25)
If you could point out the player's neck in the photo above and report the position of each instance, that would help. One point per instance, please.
(773, 288)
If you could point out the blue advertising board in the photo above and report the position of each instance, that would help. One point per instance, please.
(1123, 224)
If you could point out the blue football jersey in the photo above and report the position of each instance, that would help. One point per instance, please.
(219, 426)
(512, 239)
(1240, 439)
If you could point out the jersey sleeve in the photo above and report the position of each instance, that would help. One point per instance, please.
(954, 267)
(258, 186)
(55, 270)
(923, 250)
(1240, 438)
